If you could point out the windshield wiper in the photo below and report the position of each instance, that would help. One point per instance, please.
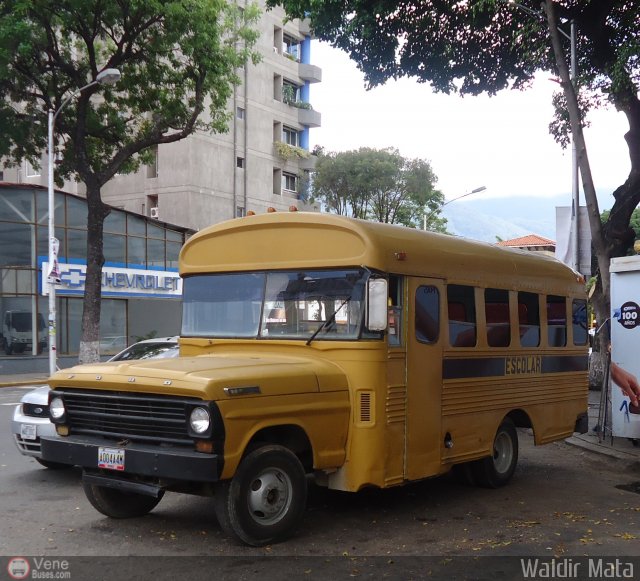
(328, 322)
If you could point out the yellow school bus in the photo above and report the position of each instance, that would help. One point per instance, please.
(364, 354)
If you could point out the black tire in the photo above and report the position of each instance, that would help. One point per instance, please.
(53, 465)
(496, 470)
(266, 499)
(463, 474)
(118, 503)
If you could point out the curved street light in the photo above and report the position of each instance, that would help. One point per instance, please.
(428, 217)
(104, 77)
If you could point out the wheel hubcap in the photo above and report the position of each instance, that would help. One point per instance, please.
(502, 452)
(269, 496)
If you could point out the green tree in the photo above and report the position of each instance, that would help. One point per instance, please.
(485, 46)
(178, 60)
(379, 185)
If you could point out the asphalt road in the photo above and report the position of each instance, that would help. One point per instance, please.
(562, 502)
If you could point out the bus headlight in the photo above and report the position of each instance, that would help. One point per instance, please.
(200, 420)
(56, 409)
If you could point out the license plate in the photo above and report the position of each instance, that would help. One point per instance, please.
(111, 458)
(28, 431)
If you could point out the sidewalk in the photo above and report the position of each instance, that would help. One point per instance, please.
(620, 448)
(20, 379)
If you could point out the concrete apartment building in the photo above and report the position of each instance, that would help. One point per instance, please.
(261, 162)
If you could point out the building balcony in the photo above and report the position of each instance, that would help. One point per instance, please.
(309, 163)
(309, 117)
(311, 73)
(305, 27)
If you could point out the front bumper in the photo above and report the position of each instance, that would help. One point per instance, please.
(23, 437)
(158, 462)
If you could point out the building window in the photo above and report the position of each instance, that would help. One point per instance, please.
(152, 205)
(290, 92)
(30, 171)
(240, 112)
(291, 47)
(289, 182)
(152, 168)
(240, 211)
(277, 181)
(240, 162)
(290, 136)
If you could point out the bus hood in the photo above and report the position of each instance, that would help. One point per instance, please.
(211, 377)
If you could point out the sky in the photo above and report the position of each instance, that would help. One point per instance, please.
(500, 142)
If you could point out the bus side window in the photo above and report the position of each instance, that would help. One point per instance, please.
(529, 319)
(579, 313)
(496, 308)
(462, 315)
(556, 321)
(427, 314)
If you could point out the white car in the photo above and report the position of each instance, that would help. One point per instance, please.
(31, 417)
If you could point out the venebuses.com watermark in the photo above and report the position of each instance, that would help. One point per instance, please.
(38, 568)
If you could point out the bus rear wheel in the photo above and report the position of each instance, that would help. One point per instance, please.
(496, 470)
(265, 501)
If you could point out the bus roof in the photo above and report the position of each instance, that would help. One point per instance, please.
(309, 240)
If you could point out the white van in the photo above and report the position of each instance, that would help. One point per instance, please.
(17, 334)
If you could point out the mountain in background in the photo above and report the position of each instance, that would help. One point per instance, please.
(484, 219)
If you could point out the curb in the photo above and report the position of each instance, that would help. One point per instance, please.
(632, 458)
(36, 381)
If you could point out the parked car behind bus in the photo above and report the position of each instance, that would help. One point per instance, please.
(31, 416)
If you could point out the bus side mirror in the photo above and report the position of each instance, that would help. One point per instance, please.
(377, 294)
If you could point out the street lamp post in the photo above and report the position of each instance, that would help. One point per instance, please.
(429, 216)
(104, 77)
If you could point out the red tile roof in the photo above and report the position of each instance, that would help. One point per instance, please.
(526, 241)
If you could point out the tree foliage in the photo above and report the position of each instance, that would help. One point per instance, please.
(379, 185)
(178, 60)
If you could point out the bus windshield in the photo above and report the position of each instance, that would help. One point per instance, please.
(321, 304)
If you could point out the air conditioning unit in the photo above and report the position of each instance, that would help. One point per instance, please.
(153, 212)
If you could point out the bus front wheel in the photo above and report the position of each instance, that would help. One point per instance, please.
(265, 501)
(119, 503)
(496, 470)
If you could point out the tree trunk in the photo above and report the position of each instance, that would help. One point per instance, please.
(90, 339)
(601, 297)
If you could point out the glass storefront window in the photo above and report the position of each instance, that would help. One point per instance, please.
(155, 253)
(115, 222)
(173, 251)
(18, 331)
(76, 213)
(136, 226)
(70, 324)
(18, 207)
(136, 252)
(76, 245)
(175, 236)
(155, 231)
(16, 241)
(42, 205)
(113, 326)
(115, 249)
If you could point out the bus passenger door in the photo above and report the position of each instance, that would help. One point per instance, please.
(424, 377)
